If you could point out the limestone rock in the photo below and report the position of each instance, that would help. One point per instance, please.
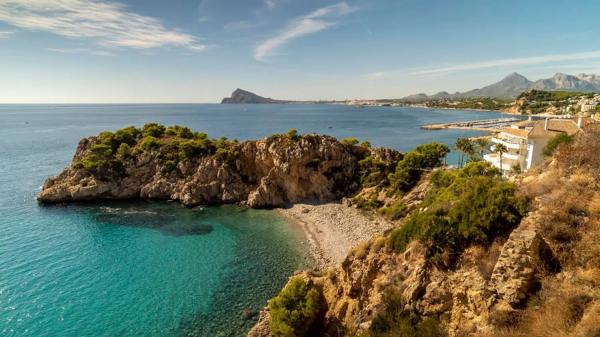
(266, 173)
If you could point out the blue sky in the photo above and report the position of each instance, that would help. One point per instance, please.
(100, 51)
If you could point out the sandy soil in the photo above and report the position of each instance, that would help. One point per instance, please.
(333, 229)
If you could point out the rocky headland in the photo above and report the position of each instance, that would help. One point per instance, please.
(176, 164)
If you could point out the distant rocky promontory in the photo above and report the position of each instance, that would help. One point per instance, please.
(240, 96)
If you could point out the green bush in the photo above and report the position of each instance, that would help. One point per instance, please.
(295, 310)
(179, 131)
(349, 141)
(97, 159)
(192, 148)
(369, 203)
(396, 321)
(292, 134)
(414, 163)
(469, 206)
(149, 143)
(123, 152)
(128, 135)
(395, 211)
(372, 171)
(555, 142)
(168, 166)
(153, 130)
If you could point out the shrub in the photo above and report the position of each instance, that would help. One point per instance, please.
(195, 147)
(372, 171)
(153, 130)
(349, 141)
(394, 211)
(397, 322)
(555, 142)
(149, 143)
(294, 311)
(292, 134)
(366, 144)
(123, 152)
(411, 167)
(168, 166)
(97, 159)
(469, 206)
(128, 135)
(179, 131)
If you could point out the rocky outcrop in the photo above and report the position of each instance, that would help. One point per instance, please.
(240, 96)
(524, 258)
(266, 173)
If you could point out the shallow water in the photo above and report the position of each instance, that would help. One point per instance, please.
(150, 268)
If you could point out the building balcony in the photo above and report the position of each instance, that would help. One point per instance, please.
(509, 144)
(507, 162)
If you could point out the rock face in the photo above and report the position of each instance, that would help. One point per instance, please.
(271, 172)
(466, 296)
(240, 96)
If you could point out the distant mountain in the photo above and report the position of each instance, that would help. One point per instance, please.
(510, 86)
(566, 82)
(240, 96)
(514, 84)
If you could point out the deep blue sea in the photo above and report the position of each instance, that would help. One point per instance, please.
(156, 268)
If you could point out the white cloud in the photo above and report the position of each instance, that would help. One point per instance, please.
(511, 62)
(107, 23)
(376, 75)
(316, 21)
(81, 51)
(6, 34)
(271, 3)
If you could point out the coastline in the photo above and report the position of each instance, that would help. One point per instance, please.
(333, 229)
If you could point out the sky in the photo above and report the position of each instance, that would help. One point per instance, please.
(188, 51)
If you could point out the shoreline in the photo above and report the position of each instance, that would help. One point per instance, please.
(332, 229)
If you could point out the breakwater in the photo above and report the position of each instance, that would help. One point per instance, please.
(478, 125)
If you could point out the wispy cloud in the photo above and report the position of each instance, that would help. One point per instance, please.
(110, 24)
(376, 75)
(316, 21)
(81, 51)
(523, 61)
(6, 34)
(271, 3)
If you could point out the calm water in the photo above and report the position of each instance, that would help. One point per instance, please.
(156, 269)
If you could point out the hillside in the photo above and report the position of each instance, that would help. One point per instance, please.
(529, 267)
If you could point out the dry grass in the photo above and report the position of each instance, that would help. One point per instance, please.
(594, 205)
(567, 200)
(361, 250)
(482, 258)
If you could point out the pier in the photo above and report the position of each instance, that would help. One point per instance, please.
(479, 125)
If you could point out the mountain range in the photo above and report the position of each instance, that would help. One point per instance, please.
(514, 84)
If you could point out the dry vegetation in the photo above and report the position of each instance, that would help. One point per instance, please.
(567, 200)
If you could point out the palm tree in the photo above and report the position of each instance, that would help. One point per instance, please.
(482, 145)
(500, 149)
(464, 146)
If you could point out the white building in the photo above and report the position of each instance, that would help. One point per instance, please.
(526, 140)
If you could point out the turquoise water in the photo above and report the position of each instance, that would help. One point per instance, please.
(150, 268)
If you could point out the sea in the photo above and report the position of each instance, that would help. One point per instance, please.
(141, 268)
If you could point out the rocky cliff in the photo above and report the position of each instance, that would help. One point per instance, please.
(270, 172)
